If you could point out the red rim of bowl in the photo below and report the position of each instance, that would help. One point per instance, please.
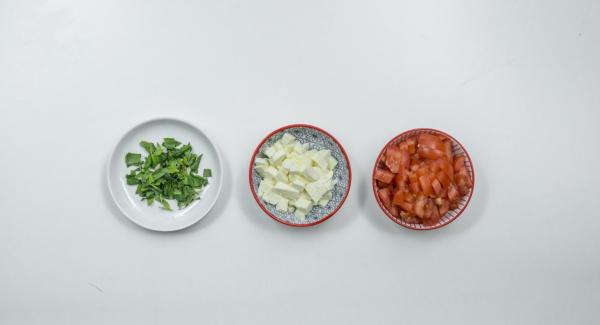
(420, 227)
(259, 201)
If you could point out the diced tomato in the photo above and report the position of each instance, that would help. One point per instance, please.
(443, 178)
(463, 183)
(393, 159)
(414, 185)
(430, 153)
(409, 217)
(406, 206)
(429, 209)
(430, 141)
(403, 146)
(463, 171)
(436, 213)
(442, 164)
(381, 184)
(398, 197)
(459, 163)
(384, 176)
(426, 185)
(420, 206)
(385, 197)
(444, 208)
(448, 149)
(401, 178)
(424, 170)
(412, 145)
(453, 193)
(437, 187)
(404, 158)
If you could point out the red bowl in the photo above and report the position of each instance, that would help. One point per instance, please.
(457, 148)
(343, 173)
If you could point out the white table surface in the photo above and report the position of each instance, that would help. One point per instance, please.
(516, 81)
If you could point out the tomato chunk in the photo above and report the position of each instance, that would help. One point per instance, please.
(426, 185)
(430, 141)
(437, 187)
(385, 197)
(393, 159)
(384, 176)
(398, 197)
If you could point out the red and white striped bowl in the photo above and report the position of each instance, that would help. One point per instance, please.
(457, 149)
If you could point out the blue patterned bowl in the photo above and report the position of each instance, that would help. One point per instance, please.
(317, 139)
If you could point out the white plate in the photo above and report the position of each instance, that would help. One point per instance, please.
(153, 217)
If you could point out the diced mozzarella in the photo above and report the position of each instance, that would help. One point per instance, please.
(303, 203)
(316, 190)
(281, 176)
(283, 204)
(287, 138)
(313, 173)
(261, 170)
(261, 162)
(272, 198)
(299, 183)
(325, 199)
(270, 151)
(321, 157)
(278, 157)
(271, 172)
(286, 190)
(299, 148)
(332, 163)
(265, 186)
(300, 214)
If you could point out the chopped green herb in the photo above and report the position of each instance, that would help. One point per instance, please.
(196, 163)
(168, 172)
(133, 159)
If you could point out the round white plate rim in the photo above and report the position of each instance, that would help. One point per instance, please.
(193, 220)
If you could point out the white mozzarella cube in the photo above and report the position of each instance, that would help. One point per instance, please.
(278, 157)
(299, 165)
(272, 198)
(325, 199)
(269, 152)
(261, 162)
(283, 204)
(299, 148)
(313, 173)
(300, 214)
(299, 183)
(321, 158)
(271, 172)
(332, 163)
(261, 170)
(287, 138)
(286, 190)
(265, 186)
(281, 176)
(316, 190)
(303, 203)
